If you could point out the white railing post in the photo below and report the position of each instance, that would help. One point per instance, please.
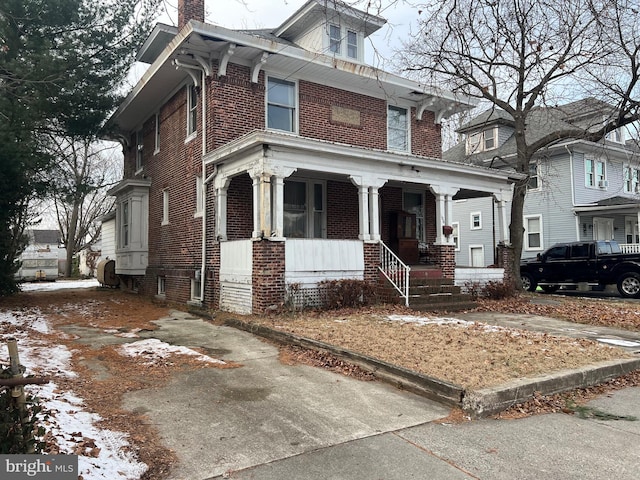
(395, 270)
(630, 247)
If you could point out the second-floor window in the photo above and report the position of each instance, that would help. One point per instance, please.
(631, 178)
(534, 177)
(281, 105)
(165, 207)
(595, 173)
(139, 150)
(335, 39)
(192, 110)
(397, 129)
(157, 133)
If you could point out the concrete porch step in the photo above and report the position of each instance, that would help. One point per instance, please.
(444, 307)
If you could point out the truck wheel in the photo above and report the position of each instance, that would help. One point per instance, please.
(528, 283)
(629, 285)
(550, 288)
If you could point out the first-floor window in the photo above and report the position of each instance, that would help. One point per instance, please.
(162, 285)
(456, 235)
(533, 232)
(124, 224)
(195, 287)
(165, 207)
(199, 196)
(304, 209)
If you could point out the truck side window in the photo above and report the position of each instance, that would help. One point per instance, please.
(580, 251)
(554, 253)
(604, 248)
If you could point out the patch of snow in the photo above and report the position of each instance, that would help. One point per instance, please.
(618, 342)
(154, 349)
(58, 285)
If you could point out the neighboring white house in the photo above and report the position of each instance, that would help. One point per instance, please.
(578, 190)
(43, 258)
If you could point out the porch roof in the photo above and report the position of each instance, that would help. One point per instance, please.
(282, 150)
(616, 204)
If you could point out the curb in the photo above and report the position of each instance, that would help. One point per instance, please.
(476, 404)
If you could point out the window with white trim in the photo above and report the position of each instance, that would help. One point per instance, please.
(456, 235)
(631, 179)
(157, 133)
(616, 135)
(352, 44)
(534, 177)
(476, 220)
(192, 110)
(335, 39)
(125, 219)
(196, 286)
(139, 150)
(162, 285)
(305, 213)
(595, 173)
(281, 105)
(533, 232)
(397, 128)
(165, 207)
(199, 196)
(482, 141)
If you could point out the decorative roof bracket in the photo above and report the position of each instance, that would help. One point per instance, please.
(256, 66)
(443, 113)
(422, 106)
(225, 55)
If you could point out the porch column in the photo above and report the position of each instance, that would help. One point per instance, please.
(265, 204)
(363, 207)
(221, 185)
(444, 211)
(503, 230)
(374, 207)
(279, 174)
(256, 177)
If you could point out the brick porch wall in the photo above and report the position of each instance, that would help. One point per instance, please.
(268, 275)
(505, 258)
(445, 259)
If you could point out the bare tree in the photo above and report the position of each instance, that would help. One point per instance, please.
(84, 170)
(518, 55)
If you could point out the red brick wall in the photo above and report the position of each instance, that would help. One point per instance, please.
(268, 275)
(342, 210)
(445, 259)
(240, 208)
(391, 201)
(190, 10)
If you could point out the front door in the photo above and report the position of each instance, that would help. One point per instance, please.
(602, 228)
(476, 254)
(413, 202)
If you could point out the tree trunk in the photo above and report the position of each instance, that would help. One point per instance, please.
(71, 241)
(516, 231)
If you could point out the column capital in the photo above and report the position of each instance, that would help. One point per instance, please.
(367, 181)
(445, 190)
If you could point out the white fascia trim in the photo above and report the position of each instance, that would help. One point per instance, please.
(254, 141)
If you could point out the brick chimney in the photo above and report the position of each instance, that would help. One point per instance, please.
(190, 10)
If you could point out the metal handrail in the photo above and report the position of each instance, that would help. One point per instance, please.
(396, 271)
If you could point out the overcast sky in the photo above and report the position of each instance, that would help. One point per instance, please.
(256, 14)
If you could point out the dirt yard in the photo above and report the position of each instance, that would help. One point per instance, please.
(467, 354)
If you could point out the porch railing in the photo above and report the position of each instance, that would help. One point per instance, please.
(395, 270)
(630, 247)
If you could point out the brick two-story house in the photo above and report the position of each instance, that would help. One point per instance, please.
(258, 159)
(578, 189)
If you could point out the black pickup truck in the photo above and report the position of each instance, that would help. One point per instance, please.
(595, 263)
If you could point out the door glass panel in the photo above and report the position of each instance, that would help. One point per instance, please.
(295, 209)
(413, 204)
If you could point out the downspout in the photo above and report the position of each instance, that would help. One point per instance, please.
(573, 191)
(203, 95)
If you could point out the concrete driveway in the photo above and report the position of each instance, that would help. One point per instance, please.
(222, 420)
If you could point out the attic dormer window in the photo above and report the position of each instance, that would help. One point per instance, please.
(343, 42)
(482, 141)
